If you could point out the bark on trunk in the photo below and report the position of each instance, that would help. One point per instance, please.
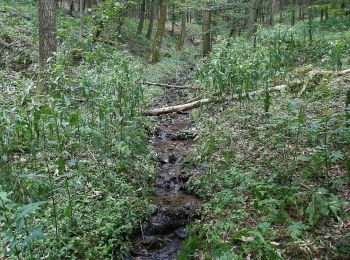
(151, 20)
(157, 43)
(310, 17)
(293, 14)
(183, 29)
(47, 36)
(142, 17)
(206, 29)
(81, 7)
(274, 9)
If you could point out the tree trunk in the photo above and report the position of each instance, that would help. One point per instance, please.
(206, 29)
(293, 14)
(253, 16)
(274, 8)
(47, 36)
(173, 19)
(81, 7)
(310, 17)
(301, 10)
(151, 20)
(142, 17)
(157, 43)
(71, 8)
(183, 28)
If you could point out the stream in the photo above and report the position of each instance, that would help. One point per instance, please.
(162, 235)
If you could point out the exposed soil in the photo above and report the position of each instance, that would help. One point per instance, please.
(162, 235)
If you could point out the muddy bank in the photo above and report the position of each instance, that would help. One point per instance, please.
(162, 235)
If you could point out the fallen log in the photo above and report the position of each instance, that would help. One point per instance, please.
(343, 72)
(168, 86)
(201, 102)
(178, 108)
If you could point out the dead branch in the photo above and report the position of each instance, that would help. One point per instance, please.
(168, 86)
(343, 72)
(201, 102)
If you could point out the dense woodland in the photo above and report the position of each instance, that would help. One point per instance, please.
(174, 129)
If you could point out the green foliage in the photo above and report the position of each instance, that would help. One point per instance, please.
(75, 167)
(273, 182)
(237, 66)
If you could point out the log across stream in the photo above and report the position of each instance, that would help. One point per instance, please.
(161, 237)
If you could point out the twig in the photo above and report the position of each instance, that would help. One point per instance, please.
(168, 86)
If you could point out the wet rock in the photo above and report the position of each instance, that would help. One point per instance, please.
(181, 233)
(153, 209)
(184, 177)
(148, 240)
(171, 219)
(182, 136)
(162, 160)
(157, 243)
(172, 159)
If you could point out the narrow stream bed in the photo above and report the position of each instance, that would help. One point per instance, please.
(162, 235)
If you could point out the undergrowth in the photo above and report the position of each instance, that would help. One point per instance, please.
(275, 168)
(74, 164)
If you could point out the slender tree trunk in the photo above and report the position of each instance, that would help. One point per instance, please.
(71, 8)
(253, 16)
(142, 17)
(206, 29)
(183, 28)
(151, 20)
(157, 43)
(274, 9)
(293, 14)
(81, 7)
(310, 17)
(301, 10)
(47, 36)
(173, 20)
(281, 11)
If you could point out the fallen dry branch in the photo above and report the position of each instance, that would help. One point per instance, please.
(201, 102)
(343, 72)
(168, 86)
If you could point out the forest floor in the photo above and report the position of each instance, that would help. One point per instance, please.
(86, 175)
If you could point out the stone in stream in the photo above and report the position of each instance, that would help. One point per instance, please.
(170, 219)
(172, 159)
(153, 242)
(182, 136)
(153, 209)
(185, 176)
(181, 233)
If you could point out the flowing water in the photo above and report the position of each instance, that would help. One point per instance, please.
(161, 237)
